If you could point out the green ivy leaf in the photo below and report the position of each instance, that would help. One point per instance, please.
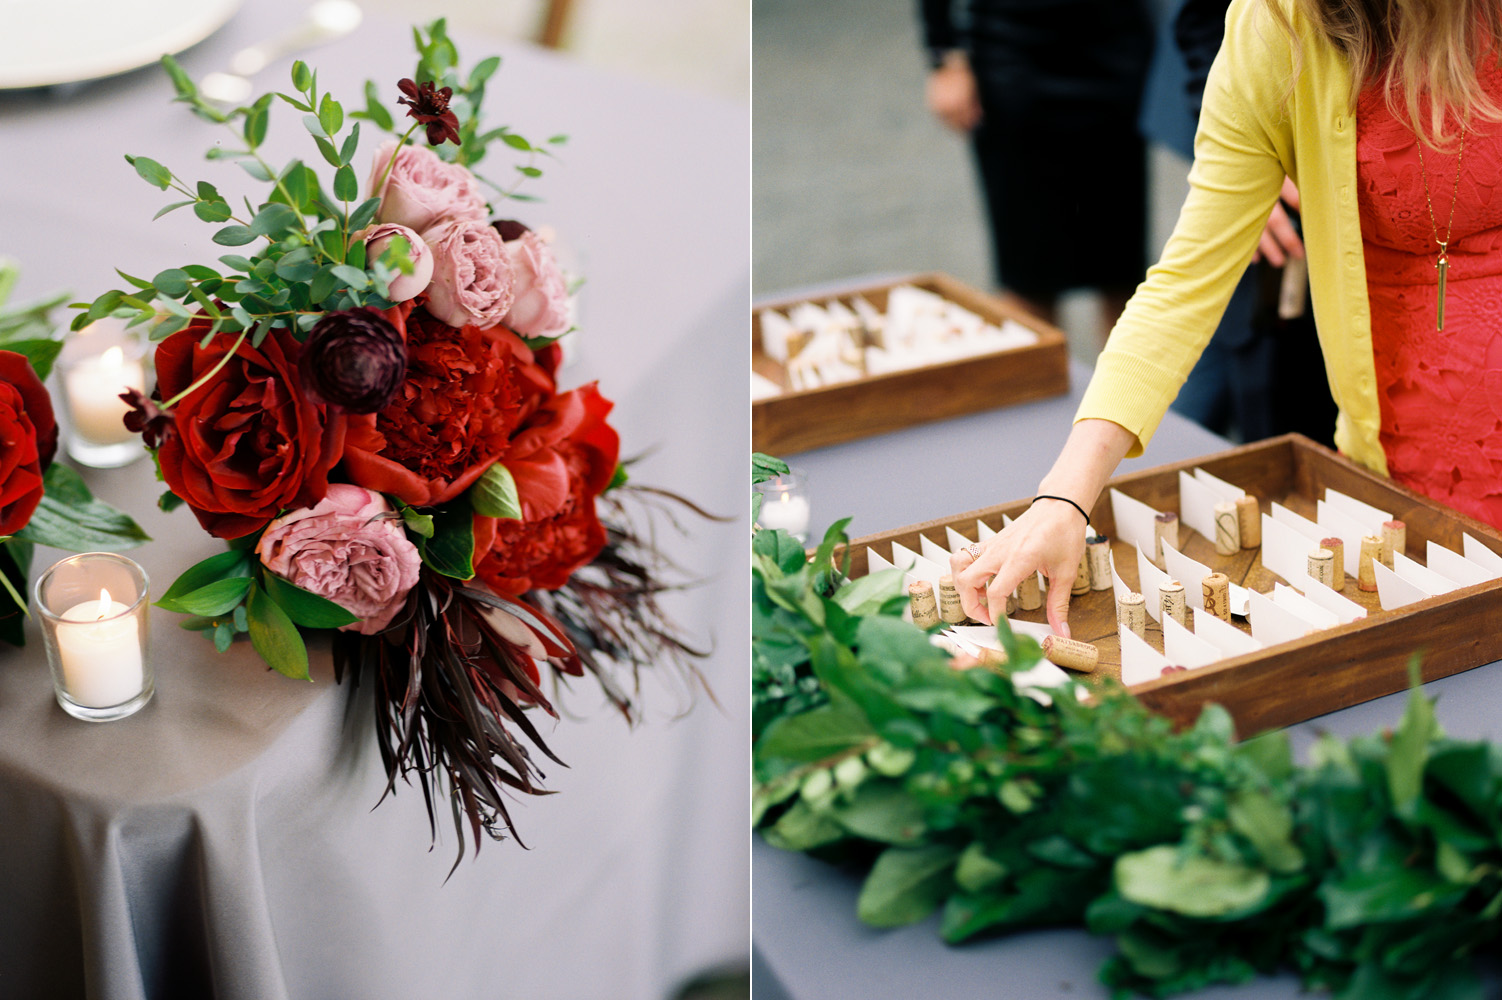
(274, 637)
(494, 494)
(305, 607)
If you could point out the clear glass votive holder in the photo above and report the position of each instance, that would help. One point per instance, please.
(95, 366)
(785, 504)
(93, 612)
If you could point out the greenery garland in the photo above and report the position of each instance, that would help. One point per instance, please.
(1375, 871)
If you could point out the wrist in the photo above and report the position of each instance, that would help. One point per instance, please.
(939, 58)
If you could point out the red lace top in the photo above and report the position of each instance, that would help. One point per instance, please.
(1440, 392)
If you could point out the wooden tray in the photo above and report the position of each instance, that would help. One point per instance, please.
(878, 404)
(1323, 672)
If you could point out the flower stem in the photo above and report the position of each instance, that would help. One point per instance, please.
(381, 187)
(203, 380)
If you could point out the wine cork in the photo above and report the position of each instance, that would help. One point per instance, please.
(1371, 551)
(1249, 520)
(1227, 529)
(1011, 604)
(1098, 553)
(1081, 583)
(1029, 597)
(1394, 539)
(1337, 549)
(1131, 611)
(1322, 566)
(1171, 601)
(951, 609)
(1217, 592)
(1071, 653)
(920, 595)
(1165, 529)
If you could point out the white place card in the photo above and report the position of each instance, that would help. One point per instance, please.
(775, 332)
(986, 634)
(1119, 589)
(876, 562)
(763, 387)
(1343, 608)
(1183, 648)
(1222, 489)
(1422, 577)
(1135, 521)
(919, 567)
(984, 531)
(1285, 550)
(1197, 506)
(1457, 567)
(1139, 661)
(1477, 552)
(1229, 639)
(1150, 578)
(1285, 596)
(1191, 573)
(1364, 513)
(1337, 523)
(956, 540)
(903, 557)
(1273, 623)
(1297, 522)
(1394, 591)
(934, 552)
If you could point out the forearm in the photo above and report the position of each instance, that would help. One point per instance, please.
(1094, 449)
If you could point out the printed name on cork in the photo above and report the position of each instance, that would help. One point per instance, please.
(951, 608)
(1172, 603)
(1131, 611)
(1071, 654)
(1216, 590)
(920, 595)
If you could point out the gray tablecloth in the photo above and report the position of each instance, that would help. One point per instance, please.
(808, 944)
(222, 841)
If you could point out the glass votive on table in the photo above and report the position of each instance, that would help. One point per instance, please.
(96, 365)
(92, 608)
(785, 504)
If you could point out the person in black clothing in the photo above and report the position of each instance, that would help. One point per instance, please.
(1049, 90)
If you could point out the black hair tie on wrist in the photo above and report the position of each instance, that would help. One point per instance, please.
(1046, 496)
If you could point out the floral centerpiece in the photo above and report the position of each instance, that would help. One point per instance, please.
(365, 404)
(41, 502)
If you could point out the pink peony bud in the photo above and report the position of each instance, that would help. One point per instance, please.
(540, 306)
(423, 191)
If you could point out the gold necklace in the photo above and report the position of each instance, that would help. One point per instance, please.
(1442, 262)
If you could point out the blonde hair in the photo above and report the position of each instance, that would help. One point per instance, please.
(1420, 52)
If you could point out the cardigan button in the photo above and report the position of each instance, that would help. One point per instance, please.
(1340, 123)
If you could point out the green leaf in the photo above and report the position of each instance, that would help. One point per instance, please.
(168, 502)
(275, 220)
(618, 478)
(374, 109)
(906, 884)
(301, 78)
(347, 151)
(151, 171)
(69, 517)
(238, 263)
(494, 494)
(172, 282)
(516, 142)
(764, 467)
(346, 185)
(816, 735)
(417, 522)
(274, 636)
(977, 870)
(1409, 751)
(483, 71)
(170, 208)
(181, 82)
(305, 607)
(803, 829)
(1194, 885)
(210, 600)
(221, 566)
(41, 353)
(865, 595)
(330, 115)
(360, 217)
(256, 121)
(451, 550)
(883, 812)
(1269, 827)
(234, 236)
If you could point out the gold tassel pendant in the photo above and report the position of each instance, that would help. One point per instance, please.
(1443, 266)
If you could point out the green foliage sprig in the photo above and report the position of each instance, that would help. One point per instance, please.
(1375, 871)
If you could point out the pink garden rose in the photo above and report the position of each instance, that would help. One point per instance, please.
(404, 286)
(472, 275)
(540, 297)
(348, 548)
(424, 191)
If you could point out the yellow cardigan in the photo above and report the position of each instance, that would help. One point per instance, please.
(1252, 131)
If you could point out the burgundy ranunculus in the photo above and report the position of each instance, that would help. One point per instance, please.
(28, 440)
(355, 359)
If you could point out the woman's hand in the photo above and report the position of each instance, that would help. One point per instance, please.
(952, 94)
(1049, 536)
(1280, 240)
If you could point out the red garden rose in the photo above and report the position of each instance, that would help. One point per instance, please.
(466, 391)
(28, 440)
(249, 443)
(568, 454)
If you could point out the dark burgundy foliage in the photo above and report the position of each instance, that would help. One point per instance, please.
(430, 106)
(509, 229)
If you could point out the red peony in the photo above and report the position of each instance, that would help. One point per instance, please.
(28, 440)
(466, 391)
(567, 455)
(250, 443)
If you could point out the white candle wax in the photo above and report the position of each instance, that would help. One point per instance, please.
(785, 511)
(99, 649)
(94, 404)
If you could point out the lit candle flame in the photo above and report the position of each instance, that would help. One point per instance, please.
(104, 595)
(112, 358)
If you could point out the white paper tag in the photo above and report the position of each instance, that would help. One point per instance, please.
(1222, 489)
(1183, 648)
(1196, 507)
(1150, 578)
(1336, 523)
(1457, 567)
(1139, 661)
(1363, 513)
(1229, 639)
(1422, 577)
(876, 562)
(934, 552)
(1477, 552)
(1119, 589)
(1394, 591)
(1285, 550)
(1297, 522)
(956, 540)
(1184, 569)
(1136, 522)
(1285, 596)
(1344, 609)
(1272, 624)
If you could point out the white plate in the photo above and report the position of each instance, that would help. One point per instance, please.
(46, 42)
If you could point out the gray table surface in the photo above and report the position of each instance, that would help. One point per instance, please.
(222, 841)
(808, 944)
